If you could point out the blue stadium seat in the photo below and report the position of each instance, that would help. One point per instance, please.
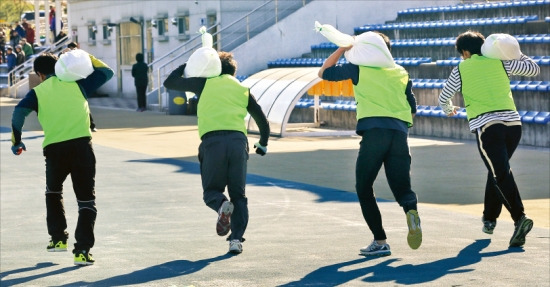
(532, 86)
(522, 86)
(529, 117)
(544, 86)
(542, 118)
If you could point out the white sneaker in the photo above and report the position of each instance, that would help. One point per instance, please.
(223, 225)
(235, 246)
(375, 249)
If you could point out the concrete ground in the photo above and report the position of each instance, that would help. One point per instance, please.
(305, 224)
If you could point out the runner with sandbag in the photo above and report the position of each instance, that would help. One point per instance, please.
(385, 109)
(223, 104)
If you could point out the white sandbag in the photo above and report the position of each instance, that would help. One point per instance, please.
(367, 49)
(204, 62)
(501, 46)
(333, 35)
(73, 65)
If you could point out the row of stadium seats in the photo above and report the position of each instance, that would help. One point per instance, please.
(540, 86)
(476, 6)
(454, 61)
(536, 117)
(445, 41)
(448, 23)
(318, 62)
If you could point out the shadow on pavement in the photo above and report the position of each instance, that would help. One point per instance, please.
(162, 271)
(325, 194)
(405, 274)
(23, 280)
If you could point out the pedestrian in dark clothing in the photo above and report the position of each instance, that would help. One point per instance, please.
(20, 31)
(140, 72)
(385, 106)
(65, 118)
(11, 59)
(492, 115)
(223, 104)
(20, 55)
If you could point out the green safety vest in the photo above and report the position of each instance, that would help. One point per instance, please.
(222, 105)
(63, 111)
(485, 86)
(381, 93)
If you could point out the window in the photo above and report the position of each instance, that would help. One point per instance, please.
(106, 34)
(92, 30)
(183, 27)
(130, 42)
(162, 28)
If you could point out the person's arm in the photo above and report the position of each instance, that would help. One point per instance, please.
(28, 104)
(410, 97)
(177, 82)
(525, 66)
(101, 74)
(332, 60)
(453, 85)
(258, 115)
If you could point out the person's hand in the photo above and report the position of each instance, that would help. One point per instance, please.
(453, 111)
(260, 149)
(18, 148)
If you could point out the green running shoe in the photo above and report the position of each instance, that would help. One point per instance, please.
(57, 246)
(83, 258)
(414, 238)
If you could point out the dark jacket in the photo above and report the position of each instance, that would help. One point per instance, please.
(139, 72)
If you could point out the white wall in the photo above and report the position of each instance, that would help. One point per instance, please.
(293, 36)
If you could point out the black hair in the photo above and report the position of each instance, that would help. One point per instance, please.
(229, 65)
(139, 57)
(470, 41)
(72, 45)
(45, 64)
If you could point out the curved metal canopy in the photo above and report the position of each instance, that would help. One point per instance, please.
(277, 92)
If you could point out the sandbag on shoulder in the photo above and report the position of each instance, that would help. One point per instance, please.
(367, 49)
(502, 47)
(73, 65)
(205, 61)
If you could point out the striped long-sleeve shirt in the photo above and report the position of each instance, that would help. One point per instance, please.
(525, 66)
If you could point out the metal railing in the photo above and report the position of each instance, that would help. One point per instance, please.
(20, 75)
(225, 39)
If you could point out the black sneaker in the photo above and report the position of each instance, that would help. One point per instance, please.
(57, 246)
(488, 226)
(83, 258)
(523, 226)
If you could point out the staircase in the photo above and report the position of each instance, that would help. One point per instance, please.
(225, 39)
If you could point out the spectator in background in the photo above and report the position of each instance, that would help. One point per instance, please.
(11, 60)
(60, 36)
(20, 31)
(139, 72)
(27, 48)
(14, 37)
(20, 55)
(29, 30)
(2, 45)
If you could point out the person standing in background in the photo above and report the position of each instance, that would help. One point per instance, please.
(140, 72)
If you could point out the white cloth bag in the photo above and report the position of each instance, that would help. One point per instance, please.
(501, 46)
(367, 49)
(205, 61)
(73, 65)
